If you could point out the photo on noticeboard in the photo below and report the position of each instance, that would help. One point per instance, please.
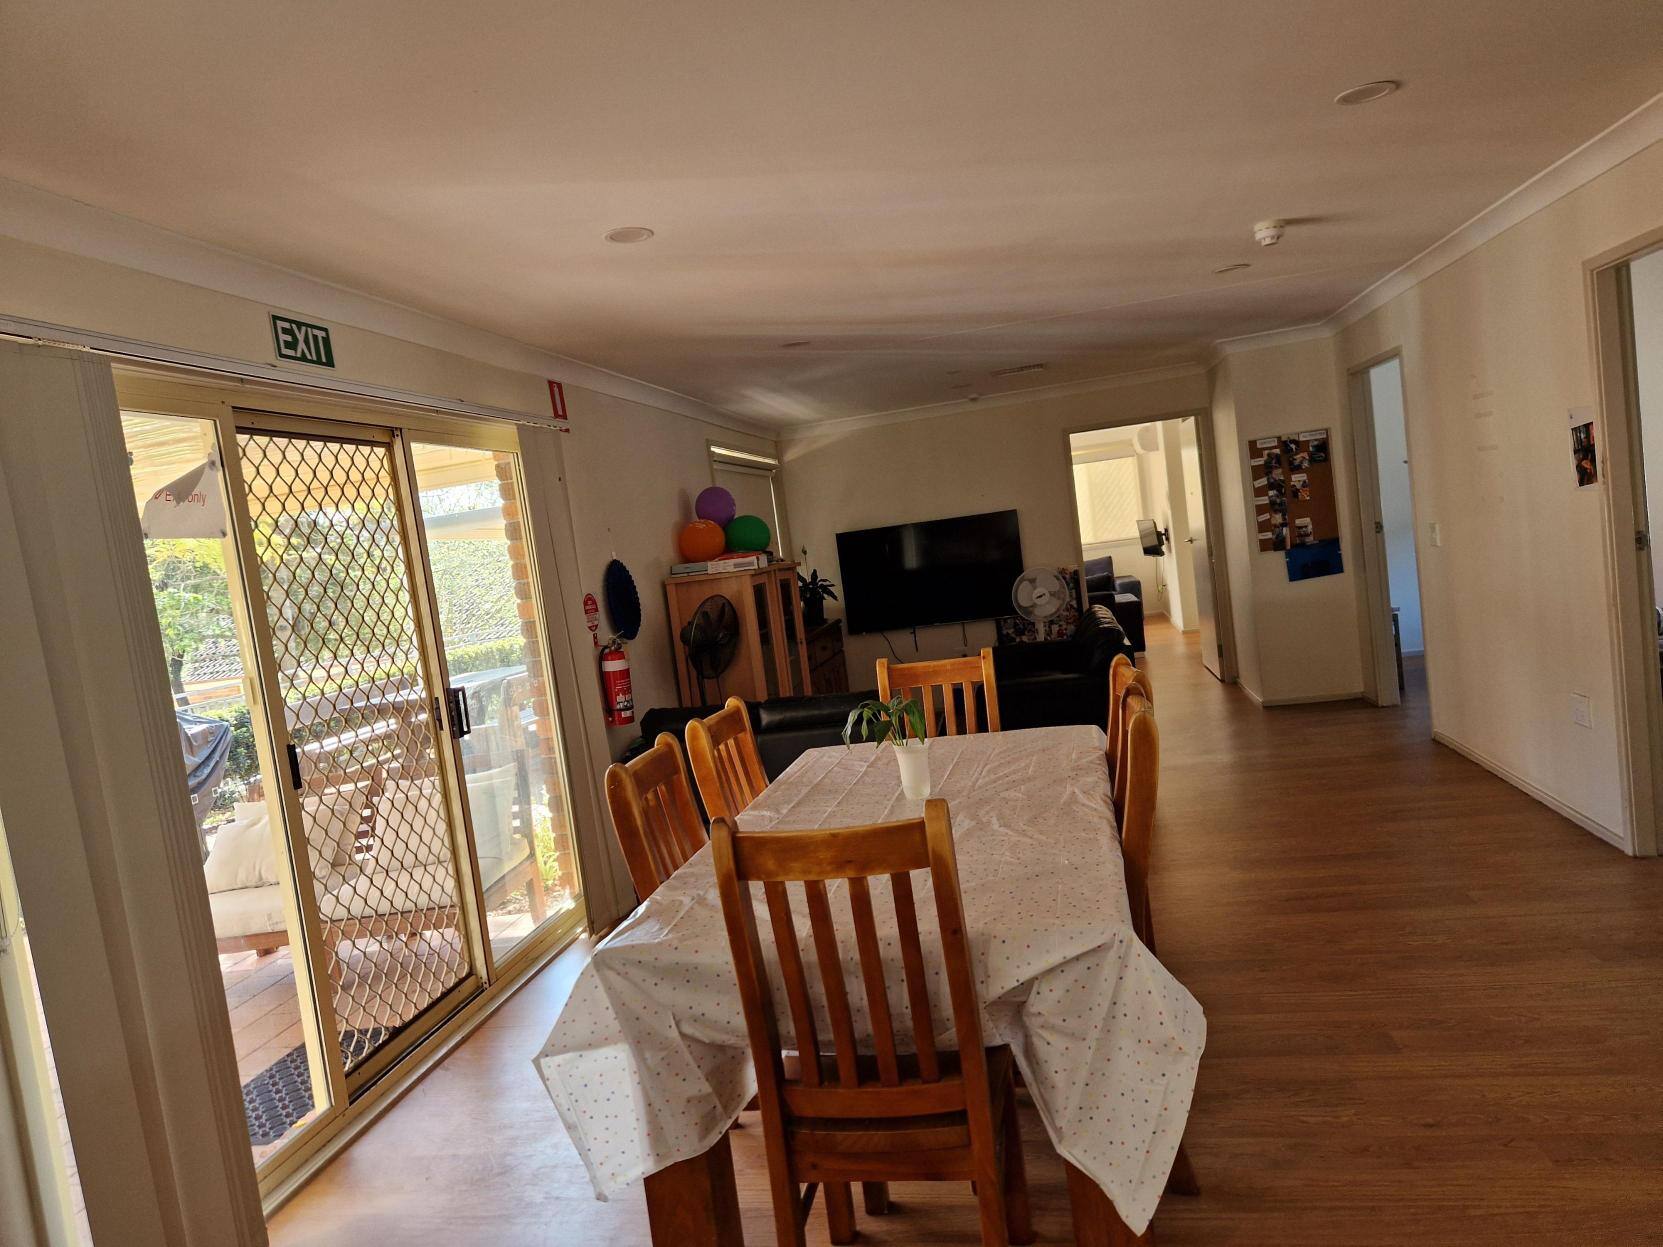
(1584, 454)
(1319, 450)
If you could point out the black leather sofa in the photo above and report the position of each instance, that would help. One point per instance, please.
(1041, 684)
(1051, 683)
(1123, 595)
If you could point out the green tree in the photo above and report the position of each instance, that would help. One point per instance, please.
(193, 599)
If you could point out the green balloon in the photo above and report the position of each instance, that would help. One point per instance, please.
(747, 532)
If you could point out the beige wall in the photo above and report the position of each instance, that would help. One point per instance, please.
(1518, 604)
(971, 458)
(631, 468)
(633, 472)
(1297, 640)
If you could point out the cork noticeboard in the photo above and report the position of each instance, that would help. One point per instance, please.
(1293, 490)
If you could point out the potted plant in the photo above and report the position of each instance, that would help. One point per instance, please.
(898, 722)
(815, 590)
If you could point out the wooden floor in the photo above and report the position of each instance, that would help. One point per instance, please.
(1435, 1013)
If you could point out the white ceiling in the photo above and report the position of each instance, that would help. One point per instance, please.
(926, 190)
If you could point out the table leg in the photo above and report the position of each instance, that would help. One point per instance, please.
(694, 1203)
(1096, 1223)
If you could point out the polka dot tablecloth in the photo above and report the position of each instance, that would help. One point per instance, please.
(649, 1063)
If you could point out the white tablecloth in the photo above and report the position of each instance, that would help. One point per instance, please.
(649, 1063)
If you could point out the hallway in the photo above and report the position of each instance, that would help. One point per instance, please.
(1433, 1006)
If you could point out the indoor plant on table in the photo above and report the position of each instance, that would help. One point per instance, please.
(898, 722)
(815, 591)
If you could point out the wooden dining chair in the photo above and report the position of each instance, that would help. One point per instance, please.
(726, 764)
(1136, 682)
(948, 674)
(658, 825)
(1142, 767)
(1120, 674)
(831, 1113)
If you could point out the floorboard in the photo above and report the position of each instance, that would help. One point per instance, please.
(1433, 1010)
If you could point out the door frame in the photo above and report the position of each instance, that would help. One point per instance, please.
(1380, 674)
(1639, 709)
(1206, 451)
(192, 393)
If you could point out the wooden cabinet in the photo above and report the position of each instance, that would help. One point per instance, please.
(771, 659)
(826, 669)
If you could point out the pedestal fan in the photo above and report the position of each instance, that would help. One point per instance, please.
(711, 638)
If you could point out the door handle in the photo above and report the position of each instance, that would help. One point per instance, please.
(456, 702)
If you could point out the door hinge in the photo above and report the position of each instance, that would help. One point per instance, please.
(1379, 526)
(1642, 539)
(294, 767)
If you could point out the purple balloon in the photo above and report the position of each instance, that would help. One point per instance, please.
(716, 505)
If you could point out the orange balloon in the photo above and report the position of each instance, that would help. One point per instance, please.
(701, 540)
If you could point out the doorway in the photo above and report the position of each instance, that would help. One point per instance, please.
(1145, 505)
(1391, 568)
(349, 613)
(1626, 462)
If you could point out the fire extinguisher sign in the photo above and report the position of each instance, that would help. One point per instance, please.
(557, 401)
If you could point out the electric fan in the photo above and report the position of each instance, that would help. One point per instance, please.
(711, 637)
(1040, 593)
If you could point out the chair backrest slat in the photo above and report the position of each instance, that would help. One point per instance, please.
(891, 1082)
(871, 973)
(830, 958)
(918, 988)
(921, 679)
(653, 813)
(796, 981)
(726, 764)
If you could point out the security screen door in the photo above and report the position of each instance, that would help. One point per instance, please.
(350, 659)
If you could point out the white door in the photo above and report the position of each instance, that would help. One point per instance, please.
(1198, 547)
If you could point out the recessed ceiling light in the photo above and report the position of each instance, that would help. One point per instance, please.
(1232, 268)
(1367, 92)
(791, 346)
(629, 233)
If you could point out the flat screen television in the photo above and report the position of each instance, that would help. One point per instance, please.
(936, 572)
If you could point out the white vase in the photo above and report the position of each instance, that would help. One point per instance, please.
(914, 761)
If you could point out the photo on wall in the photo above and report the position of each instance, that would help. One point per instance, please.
(1584, 455)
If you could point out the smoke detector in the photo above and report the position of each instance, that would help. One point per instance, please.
(1269, 233)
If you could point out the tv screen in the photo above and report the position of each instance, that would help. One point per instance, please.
(936, 572)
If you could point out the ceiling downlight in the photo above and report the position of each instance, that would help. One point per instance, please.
(1368, 92)
(629, 233)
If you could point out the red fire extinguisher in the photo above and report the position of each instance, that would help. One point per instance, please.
(615, 689)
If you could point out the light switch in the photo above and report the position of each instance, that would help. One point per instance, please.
(1436, 533)
(1582, 710)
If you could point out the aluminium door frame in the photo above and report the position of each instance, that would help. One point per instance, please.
(350, 1085)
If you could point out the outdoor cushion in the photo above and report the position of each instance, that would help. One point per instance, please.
(242, 855)
(247, 911)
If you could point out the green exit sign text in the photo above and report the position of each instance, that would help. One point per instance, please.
(302, 342)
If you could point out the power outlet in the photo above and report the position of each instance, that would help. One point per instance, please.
(1582, 710)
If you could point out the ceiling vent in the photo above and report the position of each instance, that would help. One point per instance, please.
(1017, 370)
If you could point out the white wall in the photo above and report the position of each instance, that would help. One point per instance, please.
(1177, 567)
(1391, 452)
(987, 456)
(1646, 281)
(1518, 606)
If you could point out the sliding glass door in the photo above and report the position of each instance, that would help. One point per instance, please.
(351, 624)
(484, 587)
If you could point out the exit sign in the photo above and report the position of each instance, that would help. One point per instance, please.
(302, 342)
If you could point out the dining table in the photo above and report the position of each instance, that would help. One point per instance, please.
(649, 1063)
